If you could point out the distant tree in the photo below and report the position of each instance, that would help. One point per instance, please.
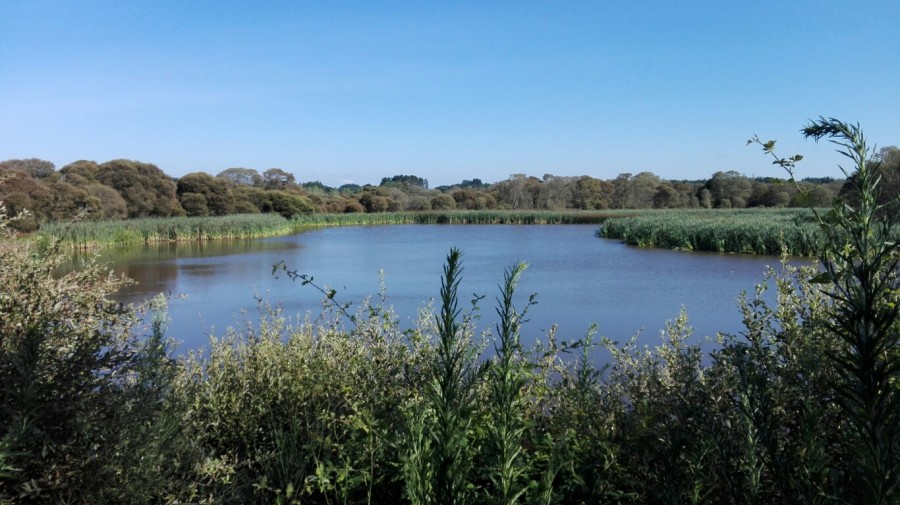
(886, 165)
(443, 201)
(350, 189)
(216, 192)
(517, 192)
(276, 178)
(418, 203)
(556, 192)
(620, 190)
(373, 202)
(353, 206)
(112, 205)
(401, 181)
(194, 204)
(591, 193)
(37, 169)
(19, 192)
(730, 186)
(242, 176)
(287, 204)
(249, 199)
(80, 172)
(705, 198)
(474, 184)
(146, 190)
(471, 199)
(316, 187)
(666, 197)
(640, 190)
(70, 202)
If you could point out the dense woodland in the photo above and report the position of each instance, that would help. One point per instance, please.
(126, 189)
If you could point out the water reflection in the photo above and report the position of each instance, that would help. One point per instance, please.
(579, 279)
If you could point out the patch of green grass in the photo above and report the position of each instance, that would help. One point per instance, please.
(747, 231)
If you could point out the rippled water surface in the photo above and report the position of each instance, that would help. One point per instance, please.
(579, 279)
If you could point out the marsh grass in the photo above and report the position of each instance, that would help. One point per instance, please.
(748, 231)
(457, 217)
(90, 234)
(87, 234)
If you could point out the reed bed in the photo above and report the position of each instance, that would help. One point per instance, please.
(459, 217)
(748, 231)
(86, 234)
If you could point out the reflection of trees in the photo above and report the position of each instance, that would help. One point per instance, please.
(149, 277)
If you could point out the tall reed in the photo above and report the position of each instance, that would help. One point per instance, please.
(456, 217)
(92, 233)
(749, 231)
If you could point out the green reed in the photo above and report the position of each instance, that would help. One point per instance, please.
(748, 231)
(85, 234)
(458, 217)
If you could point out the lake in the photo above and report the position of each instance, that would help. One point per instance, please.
(579, 279)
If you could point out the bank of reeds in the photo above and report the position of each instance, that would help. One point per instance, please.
(85, 234)
(747, 231)
(88, 234)
(459, 217)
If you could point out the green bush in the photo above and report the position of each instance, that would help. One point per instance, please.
(81, 392)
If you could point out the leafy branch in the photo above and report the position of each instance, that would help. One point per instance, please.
(308, 280)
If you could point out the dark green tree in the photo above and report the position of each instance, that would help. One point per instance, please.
(147, 190)
(216, 192)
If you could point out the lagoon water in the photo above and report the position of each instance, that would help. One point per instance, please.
(579, 279)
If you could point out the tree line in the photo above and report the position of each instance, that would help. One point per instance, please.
(127, 189)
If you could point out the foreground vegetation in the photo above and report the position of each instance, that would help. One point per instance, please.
(344, 407)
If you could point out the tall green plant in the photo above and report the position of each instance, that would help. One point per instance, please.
(441, 454)
(859, 259)
(507, 379)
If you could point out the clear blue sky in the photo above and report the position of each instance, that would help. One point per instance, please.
(355, 91)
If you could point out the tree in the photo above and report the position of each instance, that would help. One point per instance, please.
(518, 191)
(405, 181)
(242, 176)
(286, 203)
(556, 192)
(147, 190)
(112, 205)
(443, 201)
(886, 165)
(276, 178)
(730, 186)
(216, 192)
(591, 193)
(640, 190)
(666, 197)
(80, 172)
(38, 169)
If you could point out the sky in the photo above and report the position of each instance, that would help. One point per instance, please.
(353, 91)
